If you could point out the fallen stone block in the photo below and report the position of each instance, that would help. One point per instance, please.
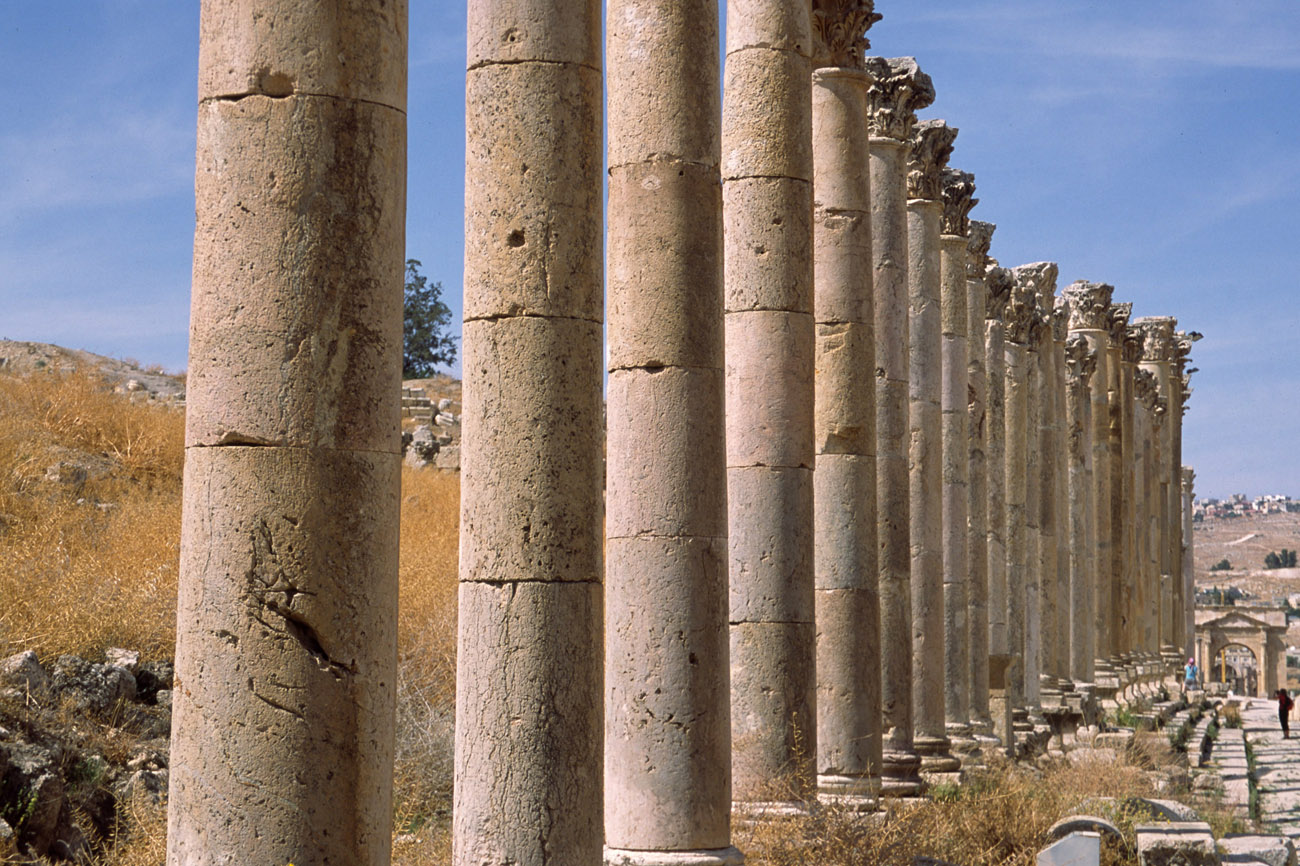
(1083, 824)
(1077, 849)
(1270, 850)
(1185, 843)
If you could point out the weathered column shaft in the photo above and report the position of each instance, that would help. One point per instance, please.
(958, 192)
(1116, 581)
(531, 650)
(1081, 358)
(848, 672)
(667, 784)
(977, 420)
(1189, 564)
(930, 146)
(898, 88)
(1020, 315)
(1054, 603)
(287, 611)
(998, 281)
(767, 212)
(1090, 305)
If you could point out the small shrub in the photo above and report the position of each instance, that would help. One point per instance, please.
(1231, 716)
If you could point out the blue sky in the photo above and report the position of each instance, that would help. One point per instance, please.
(1150, 145)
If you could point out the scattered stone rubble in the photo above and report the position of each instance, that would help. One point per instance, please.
(78, 739)
(435, 443)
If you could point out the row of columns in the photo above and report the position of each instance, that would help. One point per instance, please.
(747, 577)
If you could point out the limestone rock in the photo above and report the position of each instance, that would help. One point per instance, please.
(90, 686)
(122, 658)
(1187, 843)
(24, 673)
(1247, 848)
(1083, 824)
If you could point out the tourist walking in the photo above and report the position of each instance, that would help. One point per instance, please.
(1191, 675)
(1284, 705)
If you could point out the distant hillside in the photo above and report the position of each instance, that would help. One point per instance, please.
(126, 376)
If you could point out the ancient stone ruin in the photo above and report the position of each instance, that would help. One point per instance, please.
(858, 506)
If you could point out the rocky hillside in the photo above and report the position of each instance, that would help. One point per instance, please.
(125, 376)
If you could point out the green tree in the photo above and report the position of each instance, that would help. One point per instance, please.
(1221, 565)
(426, 345)
(1271, 560)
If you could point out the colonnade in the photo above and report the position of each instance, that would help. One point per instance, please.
(858, 504)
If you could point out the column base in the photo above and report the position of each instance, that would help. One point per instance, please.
(849, 793)
(703, 857)
(936, 755)
(900, 776)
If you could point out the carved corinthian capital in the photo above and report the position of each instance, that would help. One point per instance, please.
(1061, 318)
(1145, 389)
(958, 199)
(1023, 315)
(1131, 347)
(898, 90)
(980, 236)
(1118, 323)
(1157, 337)
(1080, 360)
(999, 284)
(1089, 305)
(840, 31)
(929, 149)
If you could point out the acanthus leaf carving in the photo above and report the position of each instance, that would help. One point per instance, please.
(1118, 322)
(999, 283)
(980, 238)
(1157, 337)
(958, 201)
(898, 90)
(840, 31)
(1089, 305)
(930, 148)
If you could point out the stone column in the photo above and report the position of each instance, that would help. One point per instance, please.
(1147, 582)
(931, 145)
(1090, 320)
(767, 214)
(287, 612)
(1189, 564)
(1039, 279)
(848, 672)
(898, 89)
(1157, 359)
(958, 199)
(999, 283)
(1053, 602)
(1183, 374)
(977, 421)
(1119, 375)
(667, 785)
(1021, 316)
(1081, 360)
(529, 666)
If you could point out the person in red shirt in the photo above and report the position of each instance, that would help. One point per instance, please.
(1284, 705)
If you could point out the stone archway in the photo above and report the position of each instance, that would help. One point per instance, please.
(1245, 640)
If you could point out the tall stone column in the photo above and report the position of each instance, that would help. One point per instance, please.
(1157, 359)
(1090, 320)
(667, 785)
(999, 284)
(767, 214)
(531, 653)
(848, 674)
(1183, 375)
(977, 421)
(1053, 601)
(287, 611)
(1119, 376)
(958, 199)
(1021, 323)
(1147, 575)
(1081, 360)
(1189, 564)
(898, 89)
(931, 145)
(1039, 279)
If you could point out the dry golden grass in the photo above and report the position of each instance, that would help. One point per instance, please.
(1000, 818)
(92, 564)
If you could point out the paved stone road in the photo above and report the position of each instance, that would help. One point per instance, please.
(1277, 766)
